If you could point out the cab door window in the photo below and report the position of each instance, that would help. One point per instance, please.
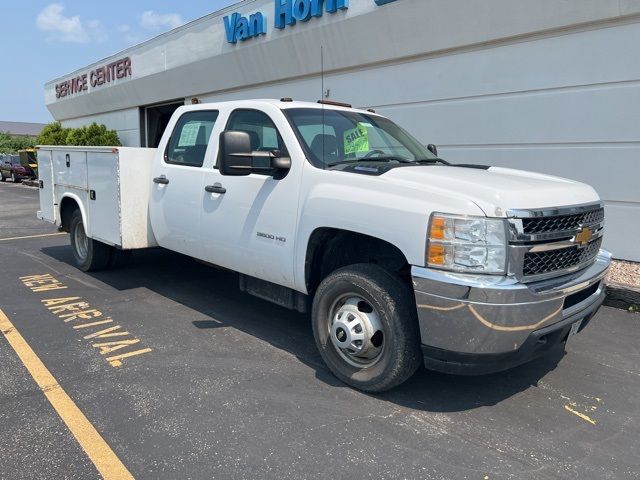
(263, 132)
(190, 138)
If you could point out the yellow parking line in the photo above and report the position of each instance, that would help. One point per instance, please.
(33, 236)
(584, 417)
(105, 460)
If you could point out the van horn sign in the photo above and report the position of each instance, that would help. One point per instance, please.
(98, 76)
(286, 12)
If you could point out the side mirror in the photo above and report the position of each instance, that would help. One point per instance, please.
(433, 149)
(237, 159)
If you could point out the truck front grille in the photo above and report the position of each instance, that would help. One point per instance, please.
(549, 242)
(562, 223)
(537, 263)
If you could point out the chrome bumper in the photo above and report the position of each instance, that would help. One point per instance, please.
(485, 315)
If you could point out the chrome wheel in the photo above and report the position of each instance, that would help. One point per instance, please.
(356, 331)
(81, 241)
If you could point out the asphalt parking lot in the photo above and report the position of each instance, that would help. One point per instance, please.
(203, 381)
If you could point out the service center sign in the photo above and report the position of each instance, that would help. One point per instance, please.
(287, 12)
(102, 75)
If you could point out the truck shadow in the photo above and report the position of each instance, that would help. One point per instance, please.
(214, 293)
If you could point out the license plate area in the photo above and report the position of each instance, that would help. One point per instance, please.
(575, 328)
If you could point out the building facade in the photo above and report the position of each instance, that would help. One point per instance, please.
(539, 85)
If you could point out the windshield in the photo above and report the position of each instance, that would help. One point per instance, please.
(15, 160)
(334, 137)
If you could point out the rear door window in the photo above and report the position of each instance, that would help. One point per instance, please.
(190, 138)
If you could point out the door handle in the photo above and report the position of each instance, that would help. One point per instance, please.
(162, 180)
(215, 188)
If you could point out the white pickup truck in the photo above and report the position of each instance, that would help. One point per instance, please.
(401, 257)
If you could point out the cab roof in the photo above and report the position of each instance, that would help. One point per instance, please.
(281, 104)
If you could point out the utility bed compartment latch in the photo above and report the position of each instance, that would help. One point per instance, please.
(92, 194)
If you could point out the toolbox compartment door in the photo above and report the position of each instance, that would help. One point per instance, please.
(70, 168)
(45, 179)
(103, 202)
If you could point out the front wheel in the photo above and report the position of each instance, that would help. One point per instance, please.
(14, 179)
(366, 328)
(89, 254)
(2, 177)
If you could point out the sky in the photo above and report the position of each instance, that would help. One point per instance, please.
(42, 40)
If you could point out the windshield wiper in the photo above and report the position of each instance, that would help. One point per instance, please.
(387, 158)
(423, 161)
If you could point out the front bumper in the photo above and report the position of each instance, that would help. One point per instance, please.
(23, 176)
(475, 324)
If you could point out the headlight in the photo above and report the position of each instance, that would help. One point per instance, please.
(467, 244)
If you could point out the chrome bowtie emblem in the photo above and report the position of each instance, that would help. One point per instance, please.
(584, 236)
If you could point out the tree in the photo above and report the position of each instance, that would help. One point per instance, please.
(53, 134)
(12, 143)
(93, 135)
(89, 135)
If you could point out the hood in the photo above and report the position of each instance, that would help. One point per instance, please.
(497, 189)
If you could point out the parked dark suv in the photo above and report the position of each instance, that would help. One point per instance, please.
(10, 167)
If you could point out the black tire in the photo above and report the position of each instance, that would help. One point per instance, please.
(14, 179)
(394, 304)
(96, 256)
(2, 177)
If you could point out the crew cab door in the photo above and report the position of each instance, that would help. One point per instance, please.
(251, 227)
(175, 204)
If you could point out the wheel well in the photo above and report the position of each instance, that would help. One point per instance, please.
(67, 206)
(331, 248)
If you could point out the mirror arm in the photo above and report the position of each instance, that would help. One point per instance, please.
(281, 163)
(256, 154)
(249, 167)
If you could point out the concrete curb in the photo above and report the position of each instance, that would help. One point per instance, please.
(622, 296)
